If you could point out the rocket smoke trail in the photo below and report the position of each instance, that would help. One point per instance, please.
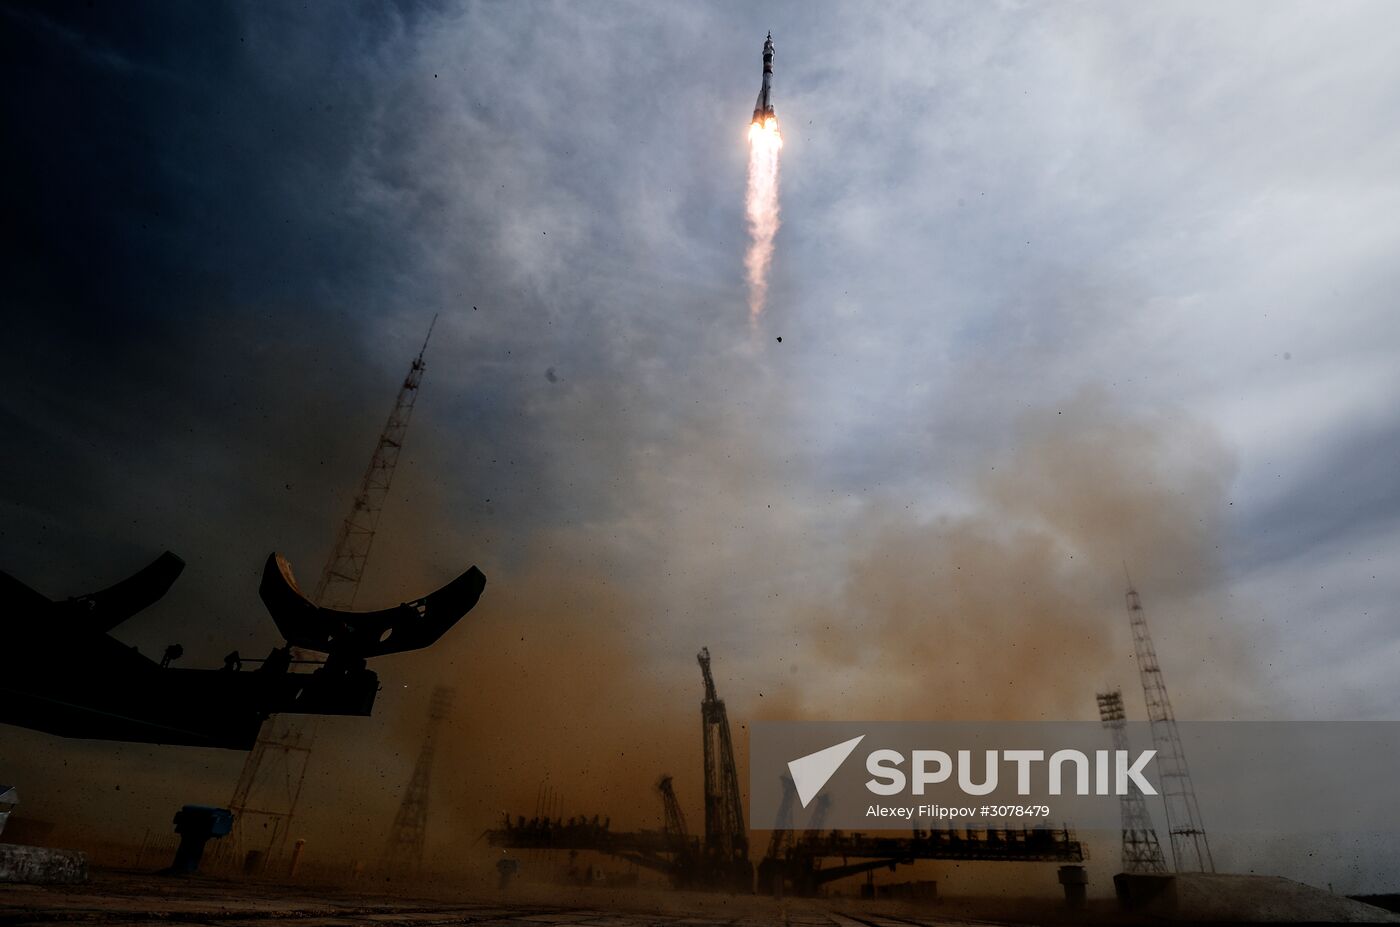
(765, 141)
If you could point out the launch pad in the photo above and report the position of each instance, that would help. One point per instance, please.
(797, 862)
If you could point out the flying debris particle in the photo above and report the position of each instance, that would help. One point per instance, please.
(780, 339)
(550, 375)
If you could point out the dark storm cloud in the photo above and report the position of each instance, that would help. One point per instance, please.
(1343, 499)
(166, 222)
(194, 269)
(164, 160)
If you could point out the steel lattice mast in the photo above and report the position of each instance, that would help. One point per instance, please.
(1141, 851)
(340, 580)
(726, 838)
(1190, 849)
(673, 819)
(270, 784)
(268, 790)
(782, 824)
(409, 835)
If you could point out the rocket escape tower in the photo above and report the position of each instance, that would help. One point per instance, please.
(269, 787)
(726, 838)
(1190, 849)
(1141, 851)
(404, 855)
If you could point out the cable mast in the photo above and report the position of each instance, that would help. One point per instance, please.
(409, 835)
(673, 823)
(269, 787)
(782, 824)
(340, 580)
(1190, 849)
(726, 838)
(1141, 851)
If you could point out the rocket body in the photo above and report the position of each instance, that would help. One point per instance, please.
(763, 109)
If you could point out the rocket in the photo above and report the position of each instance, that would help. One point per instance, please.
(763, 109)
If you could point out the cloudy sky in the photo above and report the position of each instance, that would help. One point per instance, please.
(1060, 289)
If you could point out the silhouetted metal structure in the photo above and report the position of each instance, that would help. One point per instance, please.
(801, 869)
(794, 862)
(805, 875)
(1190, 849)
(726, 837)
(408, 836)
(818, 820)
(777, 869)
(1141, 851)
(673, 823)
(62, 672)
(658, 850)
(269, 787)
(345, 567)
(781, 837)
(718, 861)
(267, 792)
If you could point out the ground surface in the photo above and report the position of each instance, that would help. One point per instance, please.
(131, 898)
(125, 898)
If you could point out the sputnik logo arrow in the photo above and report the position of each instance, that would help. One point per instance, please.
(811, 772)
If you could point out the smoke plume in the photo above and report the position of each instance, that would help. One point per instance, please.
(765, 142)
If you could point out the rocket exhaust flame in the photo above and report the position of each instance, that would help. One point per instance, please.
(765, 141)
